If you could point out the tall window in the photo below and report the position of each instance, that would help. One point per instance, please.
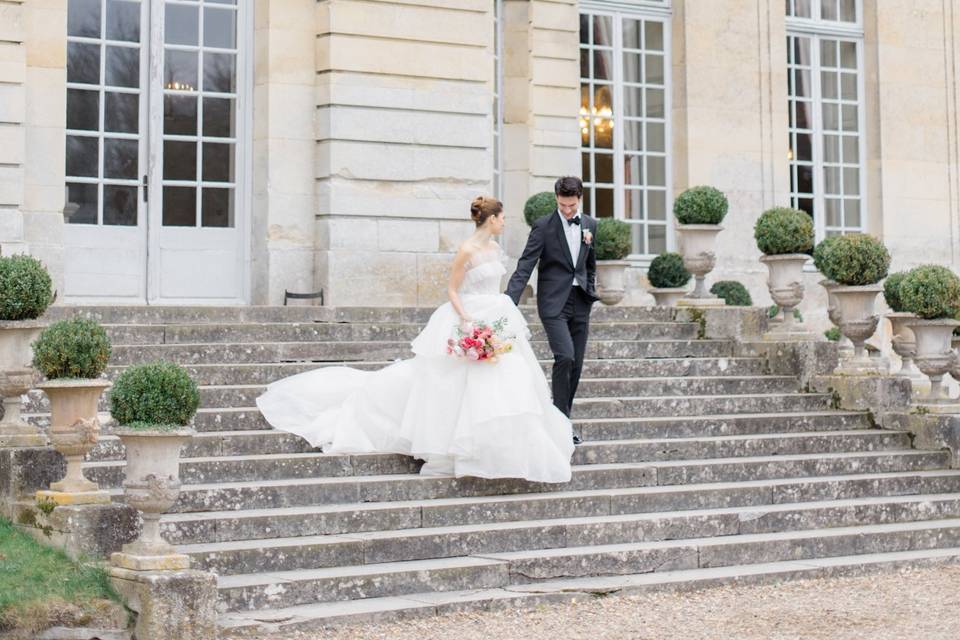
(498, 99)
(624, 121)
(825, 101)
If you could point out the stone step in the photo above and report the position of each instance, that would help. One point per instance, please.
(226, 526)
(491, 570)
(359, 351)
(318, 616)
(259, 494)
(278, 444)
(424, 543)
(182, 315)
(626, 407)
(265, 373)
(242, 333)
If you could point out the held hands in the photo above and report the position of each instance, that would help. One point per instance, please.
(466, 324)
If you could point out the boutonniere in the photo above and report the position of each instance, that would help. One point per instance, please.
(587, 237)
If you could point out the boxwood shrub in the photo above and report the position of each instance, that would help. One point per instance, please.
(781, 230)
(891, 291)
(820, 252)
(539, 205)
(154, 395)
(856, 259)
(74, 348)
(732, 292)
(666, 271)
(25, 288)
(700, 205)
(931, 292)
(613, 241)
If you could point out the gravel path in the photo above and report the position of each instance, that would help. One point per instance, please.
(921, 604)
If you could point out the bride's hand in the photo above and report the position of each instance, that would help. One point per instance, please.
(466, 324)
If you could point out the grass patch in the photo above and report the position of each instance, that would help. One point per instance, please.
(40, 587)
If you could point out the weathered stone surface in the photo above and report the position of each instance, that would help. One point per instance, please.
(727, 323)
(90, 530)
(25, 470)
(930, 431)
(170, 605)
(878, 394)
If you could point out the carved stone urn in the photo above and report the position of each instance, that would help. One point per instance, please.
(74, 430)
(844, 346)
(858, 321)
(934, 357)
(667, 297)
(785, 284)
(697, 248)
(955, 368)
(152, 486)
(904, 344)
(610, 280)
(16, 378)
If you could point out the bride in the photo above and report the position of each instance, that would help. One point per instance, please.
(492, 419)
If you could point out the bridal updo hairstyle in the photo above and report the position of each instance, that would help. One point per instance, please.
(483, 207)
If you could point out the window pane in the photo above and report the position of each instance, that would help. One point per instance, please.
(804, 179)
(639, 241)
(658, 238)
(603, 165)
(848, 55)
(632, 69)
(655, 103)
(804, 111)
(120, 159)
(632, 135)
(633, 204)
(828, 53)
(851, 181)
(804, 149)
(848, 10)
(603, 31)
(851, 213)
(602, 65)
(632, 34)
(828, 9)
(603, 133)
(83, 156)
(585, 173)
(123, 67)
(181, 24)
(656, 171)
(219, 28)
(655, 136)
(828, 85)
(850, 121)
(122, 112)
(81, 206)
(656, 205)
(179, 160)
(654, 69)
(848, 86)
(179, 206)
(831, 149)
(83, 110)
(83, 18)
(802, 9)
(831, 180)
(217, 208)
(180, 70)
(604, 200)
(633, 170)
(832, 206)
(584, 28)
(123, 21)
(587, 203)
(851, 149)
(120, 205)
(584, 63)
(180, 115)
(218, 162)
(633, 101)
(831, 117)
(219, 72)
(653, 36)
(83, 63)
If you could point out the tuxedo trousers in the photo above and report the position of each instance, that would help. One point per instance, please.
(567, 334)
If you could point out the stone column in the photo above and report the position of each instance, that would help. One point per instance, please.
(284, 96)
(541, 104)
(403, 144)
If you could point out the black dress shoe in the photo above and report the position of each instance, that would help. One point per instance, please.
(576, 439)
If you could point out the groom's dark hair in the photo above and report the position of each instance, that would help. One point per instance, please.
(568, 186)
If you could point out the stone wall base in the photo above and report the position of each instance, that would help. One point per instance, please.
(879, 394)
(24, 471)
(170, 605)
(930, 431)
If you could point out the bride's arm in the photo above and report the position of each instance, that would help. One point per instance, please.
(457, 271)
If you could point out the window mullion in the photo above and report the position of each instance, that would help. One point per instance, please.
(618, 156)
(819, 203)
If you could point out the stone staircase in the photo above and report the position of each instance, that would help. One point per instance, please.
(698, 466)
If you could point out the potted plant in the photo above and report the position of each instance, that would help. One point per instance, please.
(668, 279)
(153, 404)
(932, 293)
(784, 236)
(25, 293)
(539, 205)
(732, 292)
(72, 355)
(699, 212)
(612, 245)
(902, 340)
(857, 262)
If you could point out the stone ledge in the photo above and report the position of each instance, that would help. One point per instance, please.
(879, 394)
(719, 323)
(930, 431)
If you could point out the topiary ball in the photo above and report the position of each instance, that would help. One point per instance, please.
(613, 241)
(700, 205)
(74, 348)
(25, 288)
(891, 291)
(666, 271)
(539, 205)
(855, 260)
(732, 292)
(821, 250)
(156, 394)
(931, 292)
(781, 230)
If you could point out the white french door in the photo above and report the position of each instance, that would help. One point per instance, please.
(157, 176)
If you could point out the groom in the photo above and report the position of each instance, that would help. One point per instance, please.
(561, 245)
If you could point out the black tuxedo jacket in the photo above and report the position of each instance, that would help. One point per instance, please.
(547, 245)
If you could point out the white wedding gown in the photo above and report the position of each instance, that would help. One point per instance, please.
(464, 418)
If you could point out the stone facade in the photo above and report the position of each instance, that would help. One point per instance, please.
(373, 128)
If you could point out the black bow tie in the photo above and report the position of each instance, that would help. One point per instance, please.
(574, 220)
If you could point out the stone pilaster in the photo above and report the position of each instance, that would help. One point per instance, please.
(13, 58)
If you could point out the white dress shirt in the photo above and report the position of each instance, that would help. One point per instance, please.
(574, 235)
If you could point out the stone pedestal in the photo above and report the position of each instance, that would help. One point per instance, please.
(82, 531)
(24, 470)
(170, 605)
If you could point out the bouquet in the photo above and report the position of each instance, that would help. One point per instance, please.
(482, 342)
